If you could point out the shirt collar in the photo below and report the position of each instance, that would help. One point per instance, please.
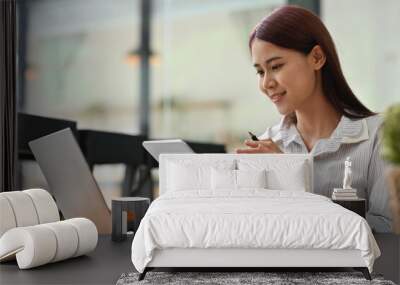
(348, 131)
(351, 131)
(288, 132)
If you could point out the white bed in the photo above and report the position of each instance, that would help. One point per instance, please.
(201, 220)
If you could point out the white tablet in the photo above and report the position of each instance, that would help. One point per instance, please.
(157, 147)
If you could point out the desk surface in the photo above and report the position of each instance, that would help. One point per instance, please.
(102, 266)
(110, 259)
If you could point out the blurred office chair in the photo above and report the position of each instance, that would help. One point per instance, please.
(31, 127)
(100, 147)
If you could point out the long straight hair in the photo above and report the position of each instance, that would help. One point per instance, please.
(296, 28)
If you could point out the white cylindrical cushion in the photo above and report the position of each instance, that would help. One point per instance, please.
(46, 208)
(36, 245)
(87, 234)
(7, 218)
(67, 239)
(23, 208)
(40, 244)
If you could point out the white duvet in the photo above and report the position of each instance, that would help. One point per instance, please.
(250, 219)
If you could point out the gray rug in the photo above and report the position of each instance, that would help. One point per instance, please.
(229, 278)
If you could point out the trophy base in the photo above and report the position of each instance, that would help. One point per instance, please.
(344, 194)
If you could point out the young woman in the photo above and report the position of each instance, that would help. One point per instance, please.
(299, 71)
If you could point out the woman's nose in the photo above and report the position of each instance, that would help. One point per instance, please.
(268, 82)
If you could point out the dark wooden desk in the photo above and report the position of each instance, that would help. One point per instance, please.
(388, 264)
(102, 266)
(110, 259)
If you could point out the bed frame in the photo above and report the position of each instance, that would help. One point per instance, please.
(240, 259)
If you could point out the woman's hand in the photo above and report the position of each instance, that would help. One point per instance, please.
(262, 146)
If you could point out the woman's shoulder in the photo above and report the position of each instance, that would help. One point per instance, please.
(374, 123)
(375, 119)
(362, 129)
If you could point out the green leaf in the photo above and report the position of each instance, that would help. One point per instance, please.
(391, 134)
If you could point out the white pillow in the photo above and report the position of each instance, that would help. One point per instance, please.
(181, 177)
(236, 179)
(186, 174)
(282, 174)
(251, 178)
(223, 179)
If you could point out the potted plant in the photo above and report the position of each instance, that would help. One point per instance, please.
(391, 153)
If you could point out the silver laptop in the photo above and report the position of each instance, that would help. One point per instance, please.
(70, 180)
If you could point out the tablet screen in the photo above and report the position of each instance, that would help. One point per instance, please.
(157, 147)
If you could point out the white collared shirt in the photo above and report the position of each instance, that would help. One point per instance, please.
(358, 139)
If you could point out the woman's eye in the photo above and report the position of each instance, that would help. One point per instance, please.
(276, 67)
(260, 72)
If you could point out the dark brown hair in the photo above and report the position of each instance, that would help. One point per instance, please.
(299, 29)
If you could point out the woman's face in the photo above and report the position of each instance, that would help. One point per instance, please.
(286, 76)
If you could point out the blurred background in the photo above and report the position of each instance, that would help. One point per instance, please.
(83, 61)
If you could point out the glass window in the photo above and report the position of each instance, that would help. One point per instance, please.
(205, 87)
(77, 59)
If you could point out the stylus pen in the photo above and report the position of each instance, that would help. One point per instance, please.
(253, 136)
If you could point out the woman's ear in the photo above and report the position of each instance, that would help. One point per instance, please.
(317, 57)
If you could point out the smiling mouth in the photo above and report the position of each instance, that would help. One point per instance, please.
(277, 97)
